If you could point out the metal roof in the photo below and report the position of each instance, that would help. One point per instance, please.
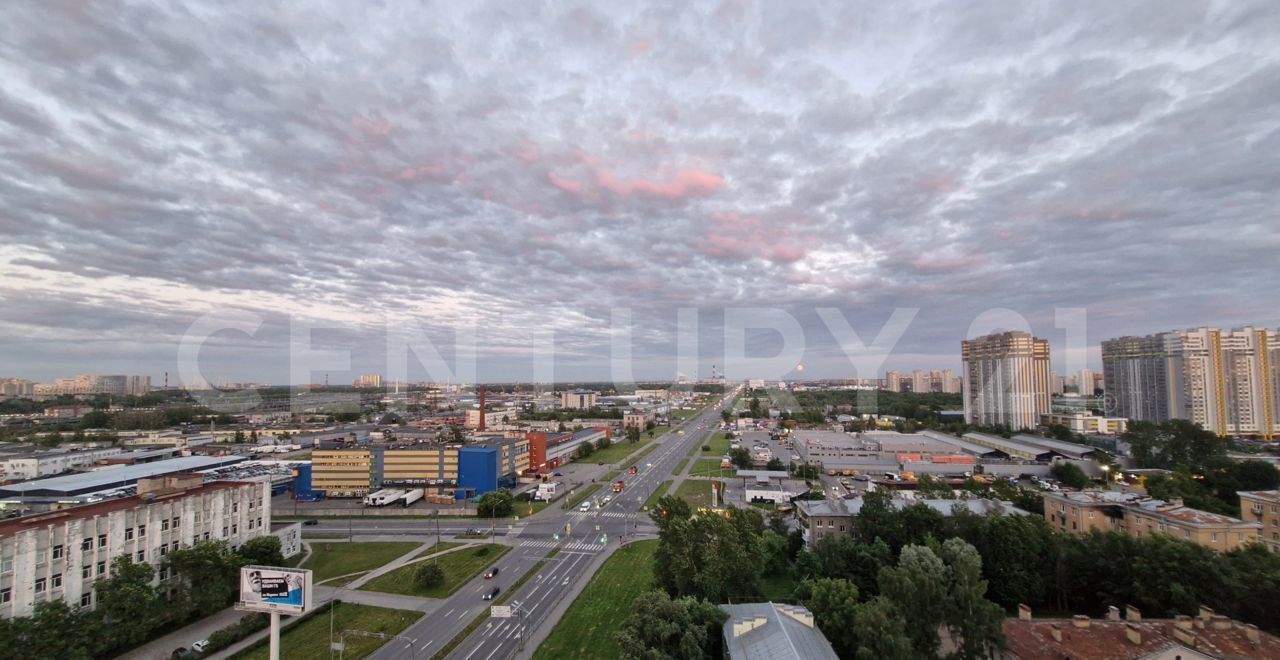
(1067, 449)
(88, 482)
(960, 443)
(774, 631)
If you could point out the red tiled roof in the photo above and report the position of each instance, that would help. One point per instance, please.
(1033, 640)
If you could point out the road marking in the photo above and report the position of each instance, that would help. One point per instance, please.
(450, 612)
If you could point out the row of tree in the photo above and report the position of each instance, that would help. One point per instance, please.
(129, 609)
(1025, 561)
(1203, 476)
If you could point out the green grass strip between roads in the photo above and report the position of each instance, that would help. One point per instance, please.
(680, 468)
(710, 467)
(459, 567)
(586, 630)
(616, 452)
(309, 640)
(329, 560)
(657, 493)
(697, 492)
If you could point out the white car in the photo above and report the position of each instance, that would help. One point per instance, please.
(586, 506)
(200, 646)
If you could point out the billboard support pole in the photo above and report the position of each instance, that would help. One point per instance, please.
(275, 636)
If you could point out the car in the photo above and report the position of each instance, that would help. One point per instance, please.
(586, 506)
(558, 474)
(489, 595)
(200, 646)
(493, 572)
(604, 500)
(313, 521)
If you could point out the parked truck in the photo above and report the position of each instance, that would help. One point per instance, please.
(412, 496)
(383, 497)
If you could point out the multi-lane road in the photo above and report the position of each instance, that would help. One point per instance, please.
(581, 541)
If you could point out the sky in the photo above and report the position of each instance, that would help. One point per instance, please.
(531, 172)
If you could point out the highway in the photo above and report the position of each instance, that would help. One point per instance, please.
(580, 543)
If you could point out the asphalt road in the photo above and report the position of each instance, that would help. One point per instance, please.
(580, 542)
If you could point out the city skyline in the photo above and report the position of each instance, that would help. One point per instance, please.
(532, 169)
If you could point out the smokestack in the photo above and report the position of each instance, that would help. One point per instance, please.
(480, 427)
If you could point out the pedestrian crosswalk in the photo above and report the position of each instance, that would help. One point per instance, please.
(572, 546)
(604, 514)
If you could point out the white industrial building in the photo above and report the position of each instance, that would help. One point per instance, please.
(59, 554)
(46, 462)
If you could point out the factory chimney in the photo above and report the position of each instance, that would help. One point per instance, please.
(480, 426)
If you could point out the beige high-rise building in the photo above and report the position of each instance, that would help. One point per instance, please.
(950, 382)
(892, 381)
(921, 381)
(1227, 381)
(1006, 379)
(1084, 382)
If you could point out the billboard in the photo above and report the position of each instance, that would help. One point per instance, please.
(274, 589)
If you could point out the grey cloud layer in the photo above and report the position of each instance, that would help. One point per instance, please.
(544, 163)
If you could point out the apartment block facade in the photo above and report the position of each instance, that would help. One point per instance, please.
(1006, 379)
(60, 554)
(1263, 507)
(1139, 515)
(1224, 380)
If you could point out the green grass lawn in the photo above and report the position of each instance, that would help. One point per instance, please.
(458, 567)
(657, 492)
(617, 451)
(309, 640)
(586, 629)
(719, 445)
(697, 492)
(329, 560)
(435, 547)
(778, 588)
(679, 467)
(582, 494)
(710, 467)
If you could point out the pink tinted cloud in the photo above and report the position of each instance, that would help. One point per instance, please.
(927, 263)
(684, 184)
(736, 236)
(433, 171)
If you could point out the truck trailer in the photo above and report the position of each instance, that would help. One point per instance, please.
(383, 497)
(412, 496)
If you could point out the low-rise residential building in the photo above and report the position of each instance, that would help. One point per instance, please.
(45, 462)
(492, 419)
(773, 631)
(58, 555)
(1140, 515)
(290, 535)
(577, 399)
(1263, 507)
(1086, 423)
(639, 419)
(822, 518)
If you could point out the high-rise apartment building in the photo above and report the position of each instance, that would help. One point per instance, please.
(116, 385)
(892, 381)
(1084, 382)
(1226, 381)
(1136, 378)
(950, 382)
(1057, 384)
(921, 381)
(370, 381)
(577, 399)
(1006, 379)
(17, 387)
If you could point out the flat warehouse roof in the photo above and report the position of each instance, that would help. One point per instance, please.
(88, 482)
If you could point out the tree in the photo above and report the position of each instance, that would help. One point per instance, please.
(834, 604)
(584, 450)
(972, 619)
(97, 419)
(129, 606)
(457, 432)
(725, 416)
(633, 434)
(262, 551)
(1071, 474)
(755, 408)
(775, 464)
(668, 508)
(741, 458)
(662, 627)
(917, 588)
(1177, 443)
(881, 632)
(57, 630)
(208, 577)
(495, 504)
(428, 575)
(932, 488)
(239, 437)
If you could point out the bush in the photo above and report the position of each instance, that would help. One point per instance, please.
(706, 447)
(247, 625)
(428, 575)
(482, 551)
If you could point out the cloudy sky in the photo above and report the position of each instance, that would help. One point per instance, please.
(528, 169)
